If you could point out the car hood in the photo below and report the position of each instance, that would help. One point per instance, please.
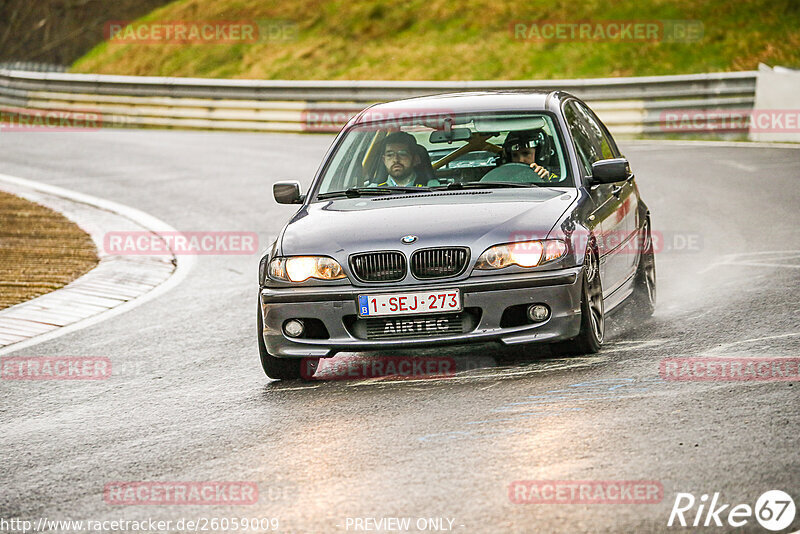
(474, 218)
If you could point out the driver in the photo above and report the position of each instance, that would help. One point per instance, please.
(401, 158)
(520, 147)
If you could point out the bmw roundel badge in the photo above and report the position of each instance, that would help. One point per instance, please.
(407, 240)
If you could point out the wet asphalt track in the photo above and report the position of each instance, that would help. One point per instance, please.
(188, 399)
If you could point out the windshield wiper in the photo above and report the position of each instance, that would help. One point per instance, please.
(483, 185)
(355, 192)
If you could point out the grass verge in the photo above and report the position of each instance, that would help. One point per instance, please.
(40, 250)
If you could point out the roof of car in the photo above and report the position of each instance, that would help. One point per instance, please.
(471, 102)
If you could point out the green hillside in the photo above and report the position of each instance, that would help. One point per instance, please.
(460, 40)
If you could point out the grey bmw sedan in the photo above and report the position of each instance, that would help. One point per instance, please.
(454, 219)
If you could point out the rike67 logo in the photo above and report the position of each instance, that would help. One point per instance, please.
(774, 510)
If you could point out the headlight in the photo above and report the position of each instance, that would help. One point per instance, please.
(301, 268)
(522, 253)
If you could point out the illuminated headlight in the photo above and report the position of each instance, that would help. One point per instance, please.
(301, 268)
(522, 253)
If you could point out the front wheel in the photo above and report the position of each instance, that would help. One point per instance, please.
(590, 338)
(280, 368)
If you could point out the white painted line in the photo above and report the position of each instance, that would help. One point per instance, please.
(116, 285)
(759, 264)
(650, 344)
(739, 166)
(718, 348)
(742, 258)
(505, 373)
(795, 253)
(277, 390)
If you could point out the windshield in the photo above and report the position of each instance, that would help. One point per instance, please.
(453, 151)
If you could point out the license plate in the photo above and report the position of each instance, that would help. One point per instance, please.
(443, 300)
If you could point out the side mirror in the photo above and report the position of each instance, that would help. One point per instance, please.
(287, 192)
(609, 171)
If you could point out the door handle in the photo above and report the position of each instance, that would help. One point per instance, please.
(616, 190)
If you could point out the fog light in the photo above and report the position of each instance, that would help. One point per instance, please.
(538, 312)
(294, 328)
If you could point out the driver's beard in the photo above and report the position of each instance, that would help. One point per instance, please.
(404, 180)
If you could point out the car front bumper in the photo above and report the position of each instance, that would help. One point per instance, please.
(336, 308)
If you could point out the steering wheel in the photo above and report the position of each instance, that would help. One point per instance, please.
(520, 173)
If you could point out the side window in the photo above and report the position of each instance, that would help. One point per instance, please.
(608, 149)
(585, 145)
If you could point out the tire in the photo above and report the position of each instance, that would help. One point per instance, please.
(644, 286)
(590, 338)
(280, 368)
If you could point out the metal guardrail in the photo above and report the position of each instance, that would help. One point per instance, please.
(34, 66)
(629, 106)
